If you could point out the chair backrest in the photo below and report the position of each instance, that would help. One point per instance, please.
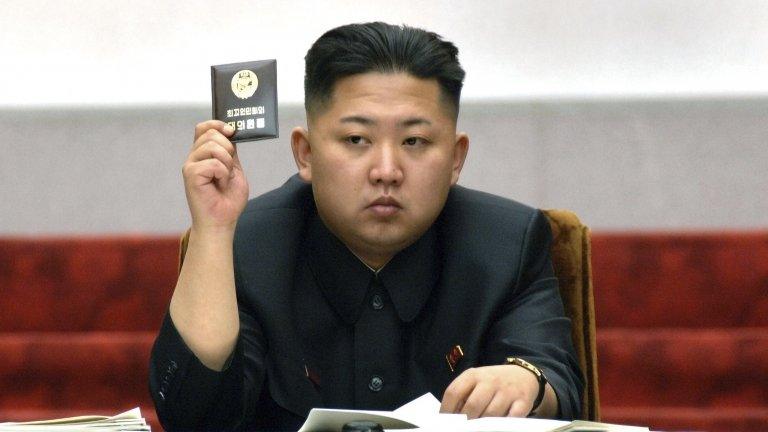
(183, 243)
(571, 259)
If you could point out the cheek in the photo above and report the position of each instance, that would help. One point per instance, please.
(432, 173)
(430, 181)
(327, 167)
(336, 183)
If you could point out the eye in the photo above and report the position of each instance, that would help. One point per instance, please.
(355, 140)
(412, 141)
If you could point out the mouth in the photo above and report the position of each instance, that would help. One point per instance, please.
(384, 206)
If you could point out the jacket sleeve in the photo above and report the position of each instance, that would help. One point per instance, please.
(190, 396)
(532, 324)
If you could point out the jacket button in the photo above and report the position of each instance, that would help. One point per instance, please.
(377, 303)
(376, 383)
(161, 395)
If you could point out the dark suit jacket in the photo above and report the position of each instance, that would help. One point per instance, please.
(496, 297)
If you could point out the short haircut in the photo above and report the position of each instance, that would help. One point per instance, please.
(379, 47)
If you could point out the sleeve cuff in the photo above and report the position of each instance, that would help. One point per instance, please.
(178, 380)
(565, 405)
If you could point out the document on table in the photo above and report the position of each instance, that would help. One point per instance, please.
(423, 414)
(419, 412)
(128, 421)
(515, 424)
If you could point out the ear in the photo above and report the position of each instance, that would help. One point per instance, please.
(460, 149)
(302, 152)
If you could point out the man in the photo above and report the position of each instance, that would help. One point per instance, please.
(371, 278)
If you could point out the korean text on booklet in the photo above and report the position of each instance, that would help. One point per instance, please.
(245, 97)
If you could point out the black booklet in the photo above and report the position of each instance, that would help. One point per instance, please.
(245, 97)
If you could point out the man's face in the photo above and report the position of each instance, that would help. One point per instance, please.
(381, 156)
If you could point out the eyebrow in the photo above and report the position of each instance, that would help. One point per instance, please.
(367, 121)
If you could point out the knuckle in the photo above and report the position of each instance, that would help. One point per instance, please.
(219, 153)
(460, 380)
(185, 169)
(210, 134)
(450, 392)
(499, 381)
(492, 411)
(471, 407)
(209, 146)
(202, 127)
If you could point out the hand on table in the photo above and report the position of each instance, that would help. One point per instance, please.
(498, 391)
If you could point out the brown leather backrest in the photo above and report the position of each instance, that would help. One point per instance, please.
(571, 259)
(183, 242)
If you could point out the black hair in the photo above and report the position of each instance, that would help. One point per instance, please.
(379, 47)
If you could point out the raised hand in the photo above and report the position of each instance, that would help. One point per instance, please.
(215, 184)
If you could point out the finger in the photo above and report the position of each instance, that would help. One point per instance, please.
(211, 150)
(499, 406)
(213, 135)
(218, 125)
(457, 392)
(207, 171)
(478, 400)
(520, 408)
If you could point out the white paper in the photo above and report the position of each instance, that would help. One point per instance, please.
(423, 414)
(513, 424)
(424, 404)
(130, 420)
(424, 411)
(322, 419)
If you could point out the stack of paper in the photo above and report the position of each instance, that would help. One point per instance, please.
(127, 421)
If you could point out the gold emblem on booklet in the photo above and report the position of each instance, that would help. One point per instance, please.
(245, 97)
(244, 84)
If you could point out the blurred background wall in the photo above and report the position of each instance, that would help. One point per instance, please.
(635, 114)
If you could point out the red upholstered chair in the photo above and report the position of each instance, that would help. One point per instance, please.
(571, 259)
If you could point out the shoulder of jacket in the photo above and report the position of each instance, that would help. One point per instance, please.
(294, 194)
(486, 225)
(483, 203)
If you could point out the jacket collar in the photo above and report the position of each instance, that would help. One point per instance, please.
(344, 280)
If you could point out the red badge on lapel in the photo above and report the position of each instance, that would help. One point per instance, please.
(312, 376)
(454, 356)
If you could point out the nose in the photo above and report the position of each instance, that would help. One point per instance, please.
(386, 166)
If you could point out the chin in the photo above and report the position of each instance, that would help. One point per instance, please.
(391, 242)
